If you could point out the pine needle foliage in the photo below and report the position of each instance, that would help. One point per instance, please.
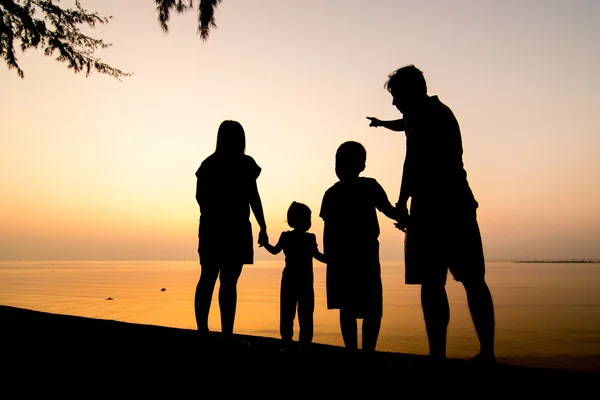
(55, 29)
(206, 13)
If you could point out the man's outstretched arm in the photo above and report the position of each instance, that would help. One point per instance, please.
(397, 125)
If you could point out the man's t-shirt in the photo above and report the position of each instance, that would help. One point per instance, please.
(434, 175)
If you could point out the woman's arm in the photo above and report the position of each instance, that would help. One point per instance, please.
(257, 210)
(200, 190)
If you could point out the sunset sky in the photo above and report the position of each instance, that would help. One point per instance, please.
(94, 169)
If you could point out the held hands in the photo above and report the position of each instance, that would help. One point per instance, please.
(374, 122)
(401, 218)
(263, 238)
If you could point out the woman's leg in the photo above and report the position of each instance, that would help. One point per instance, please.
(349, 330)
(204, 293)
(370, 332)
(228, 296)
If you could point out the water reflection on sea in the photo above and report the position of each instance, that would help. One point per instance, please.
(546, 314)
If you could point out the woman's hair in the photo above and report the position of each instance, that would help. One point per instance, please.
(298, 216)
(231, 139)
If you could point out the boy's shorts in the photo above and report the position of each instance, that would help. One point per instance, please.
(432, 246)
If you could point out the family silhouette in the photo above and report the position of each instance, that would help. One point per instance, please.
(434, 187)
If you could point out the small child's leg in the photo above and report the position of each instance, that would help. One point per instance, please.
(306, 308)
(349, 330)
(287, 311)
(370, 332)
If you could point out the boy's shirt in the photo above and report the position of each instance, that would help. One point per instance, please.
(349, 210)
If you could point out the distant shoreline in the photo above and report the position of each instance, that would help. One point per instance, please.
(557, 261)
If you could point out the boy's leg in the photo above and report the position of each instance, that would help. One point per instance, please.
(228, 296)
(287, 310)
(204, 293)
(306, 309)
(370, 332)
(349, 330)
(436, 312)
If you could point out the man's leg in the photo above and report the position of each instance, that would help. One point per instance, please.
(436, 312)
(471, 270)
(349, 330)
(203, 297)
(482, 313)
(228, 296)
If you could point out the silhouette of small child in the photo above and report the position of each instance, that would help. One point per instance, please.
(351, 245)
(299, 247)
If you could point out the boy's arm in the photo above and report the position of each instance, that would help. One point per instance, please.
(396, 125)
(396, 213)
(405, 189)
(316, 253)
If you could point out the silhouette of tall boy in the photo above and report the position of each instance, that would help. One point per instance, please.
(351, 246)
(441, 231)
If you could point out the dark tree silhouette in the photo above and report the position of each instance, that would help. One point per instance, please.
(206, 13)
(44, 24)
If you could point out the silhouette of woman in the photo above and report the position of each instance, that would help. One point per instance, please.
(226, 190)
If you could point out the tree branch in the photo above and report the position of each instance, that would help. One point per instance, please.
(57, 30)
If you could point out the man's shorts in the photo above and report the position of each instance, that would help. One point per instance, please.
(432, 246)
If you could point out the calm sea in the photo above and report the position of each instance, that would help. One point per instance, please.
(547, 315)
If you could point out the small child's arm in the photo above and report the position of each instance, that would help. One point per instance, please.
(273, 249)
(320, 256)
(397, 125)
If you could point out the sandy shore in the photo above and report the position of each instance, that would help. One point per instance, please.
(70, 350)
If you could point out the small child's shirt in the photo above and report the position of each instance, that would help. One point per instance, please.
(299, 249)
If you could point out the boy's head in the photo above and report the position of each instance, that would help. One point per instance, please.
(406, 85)
(350, 160)
(298, 216)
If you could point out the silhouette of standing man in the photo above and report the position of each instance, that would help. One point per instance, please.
(441, 230)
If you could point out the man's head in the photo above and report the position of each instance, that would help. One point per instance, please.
(407, 86)
(350, 160)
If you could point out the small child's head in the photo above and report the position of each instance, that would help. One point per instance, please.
(298, 216)
(350, 160)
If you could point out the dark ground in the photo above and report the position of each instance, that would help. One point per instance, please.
(67, 355)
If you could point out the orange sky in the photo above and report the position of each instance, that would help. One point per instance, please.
(94, 168)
